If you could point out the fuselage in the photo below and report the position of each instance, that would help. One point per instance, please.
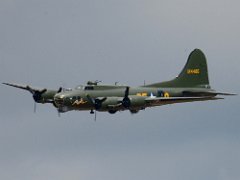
(192, 84)
(78, 98)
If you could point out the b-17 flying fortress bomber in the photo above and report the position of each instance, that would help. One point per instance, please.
(192, 84)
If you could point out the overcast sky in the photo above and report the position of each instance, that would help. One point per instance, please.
(52, 43)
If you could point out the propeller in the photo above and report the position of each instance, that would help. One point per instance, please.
(95, 114)
(59, 113)
(60, 90)
(126, 102)
(35, 107)
(97, 102)
(37, 94)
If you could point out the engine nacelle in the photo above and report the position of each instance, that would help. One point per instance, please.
(111, 101)
(137, 101)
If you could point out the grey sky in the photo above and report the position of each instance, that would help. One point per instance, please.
(64, 43)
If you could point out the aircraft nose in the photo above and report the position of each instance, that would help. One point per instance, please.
(59, 99)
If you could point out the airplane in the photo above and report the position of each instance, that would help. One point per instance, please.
(191, 85)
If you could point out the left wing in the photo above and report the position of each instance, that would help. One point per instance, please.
(39, 95)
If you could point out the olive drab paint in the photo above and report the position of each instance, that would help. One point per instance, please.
(191, 85)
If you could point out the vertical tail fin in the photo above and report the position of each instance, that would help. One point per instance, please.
(194, 73)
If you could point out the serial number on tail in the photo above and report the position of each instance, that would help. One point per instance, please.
(193, 71)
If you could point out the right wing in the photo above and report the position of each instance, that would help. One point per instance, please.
(158, 101)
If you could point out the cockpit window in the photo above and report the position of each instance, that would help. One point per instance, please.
(66, 89)
(88, 88)
(80, 87)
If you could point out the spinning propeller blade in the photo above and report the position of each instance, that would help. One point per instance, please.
(126, 102)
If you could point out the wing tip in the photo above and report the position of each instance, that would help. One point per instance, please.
(226, 94)
(8, 84)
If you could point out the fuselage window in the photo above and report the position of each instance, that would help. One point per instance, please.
(160, 93)
(88, 88)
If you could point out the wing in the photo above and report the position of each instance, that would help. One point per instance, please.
(24, 87)
(39, 95)
(206, 93)
(158, 101)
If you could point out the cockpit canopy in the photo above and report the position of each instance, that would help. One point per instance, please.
(81, 87)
